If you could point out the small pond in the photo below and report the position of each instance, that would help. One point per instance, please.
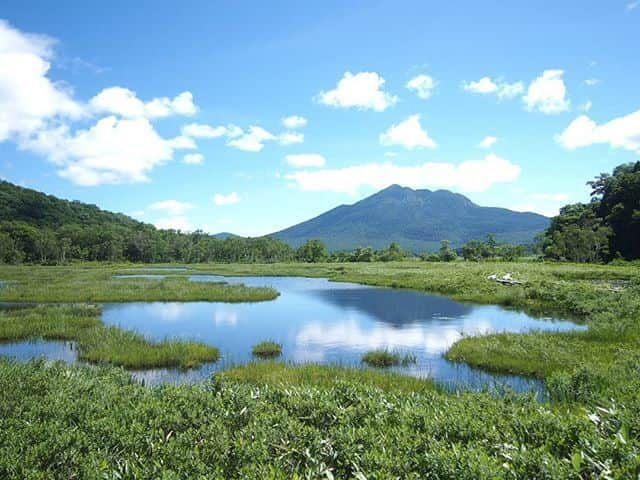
(320, 321)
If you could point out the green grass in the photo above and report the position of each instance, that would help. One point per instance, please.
(271, 420)
(268, 349)
(96, 284)
(75, 422)
(98, 343)
(383, 358)
(322, 376)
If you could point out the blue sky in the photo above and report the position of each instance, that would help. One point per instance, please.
(252, 116)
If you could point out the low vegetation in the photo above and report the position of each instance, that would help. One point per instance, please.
(97, 284)
(267, 349)
(383, 358)
(98, 343)
(74, 422)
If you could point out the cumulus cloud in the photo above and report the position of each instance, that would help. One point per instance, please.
(304, 160)
(38, 114)
(621, 132)
(423, 85)
(408, 134)
(289, 138)
(114, 150)
(229, 199)
(252, 140)
(501, 89)
(172, 207)
(586, 106)
(124, 102)
(193, 159)
(28, 98)
(173, 223)
(470, 176)
(201, 130)
(294, 121)
(547, 93)
(362, 90)
(547, 204)
(488, 142)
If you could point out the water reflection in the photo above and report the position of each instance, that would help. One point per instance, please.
(319, 321)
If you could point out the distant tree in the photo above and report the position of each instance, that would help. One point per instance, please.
(446, 253)
(362, 254)
(312, 251)
(392, 253)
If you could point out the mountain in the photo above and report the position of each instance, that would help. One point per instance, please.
(225, 235)
(416, 219)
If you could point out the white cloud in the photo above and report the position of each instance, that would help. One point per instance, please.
(408, 134)
(294, 121)
(37, 114)
(173, 223)
(253, 140)
(28, 98)
(111, 151)
(230, 199)
(182, 143)
(124, 102)
(390, 154)
(470, 176)
(305, 160)
(547, 93)
(200, 130)
(501, 89)
(621, 132)
(362, 90)
(547, 204)
(590, 82)
(488, 142)
(193, 159)
(423, 85)
(586, 106)
(289, 138)
(551, 197)
(172, 207)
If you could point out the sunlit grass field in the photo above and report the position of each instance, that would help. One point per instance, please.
(273, 420)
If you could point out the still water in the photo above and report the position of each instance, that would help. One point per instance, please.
(322, 322)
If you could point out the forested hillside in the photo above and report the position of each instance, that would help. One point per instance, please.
(35, 227)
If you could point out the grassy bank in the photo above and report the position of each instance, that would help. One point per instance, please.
(98, 343)
(271, 420)
(96, 283)
(62, 422)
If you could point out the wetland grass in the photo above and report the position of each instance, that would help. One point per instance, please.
(98, 343)
(268, 349)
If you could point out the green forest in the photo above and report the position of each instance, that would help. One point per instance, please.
(39, 228)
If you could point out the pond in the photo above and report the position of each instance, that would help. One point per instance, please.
(325, 322)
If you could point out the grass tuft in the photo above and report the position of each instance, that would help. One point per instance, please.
(268, 349)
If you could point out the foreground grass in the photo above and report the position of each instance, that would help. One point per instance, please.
(96, 283)
(326, 377)
(74, 422)
(98, 343)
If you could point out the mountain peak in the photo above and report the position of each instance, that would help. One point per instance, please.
(418, 220)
